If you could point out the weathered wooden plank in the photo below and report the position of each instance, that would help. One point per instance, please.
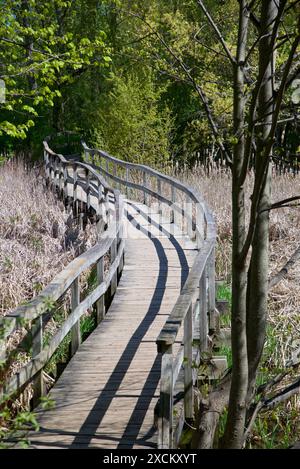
(100, 304)
(37, 347)
(188, 371)
(188, 294)
(165, 419)
(109, 363)
(63, 280)
(203, 317)
(75, 331)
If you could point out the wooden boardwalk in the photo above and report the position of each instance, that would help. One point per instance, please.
(141, 356)
(106, 396)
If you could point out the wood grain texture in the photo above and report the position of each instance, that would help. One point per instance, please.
(143, 344)
(106, 396)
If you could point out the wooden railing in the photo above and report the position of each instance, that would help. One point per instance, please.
(83, 187)
(194, 312)
(83, 184)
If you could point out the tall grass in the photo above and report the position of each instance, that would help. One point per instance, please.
(283, 331)
(37, 236)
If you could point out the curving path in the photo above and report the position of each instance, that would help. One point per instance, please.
(106, 396)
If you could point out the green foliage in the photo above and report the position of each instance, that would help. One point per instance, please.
(134, 127)
(224, 293)
(14, 428)
(43, 51)
(87, 325)
(124, 75)
(225, 350)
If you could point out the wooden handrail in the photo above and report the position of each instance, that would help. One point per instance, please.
(57, 169)
(194, 309)
(195, 306)
(193, 193)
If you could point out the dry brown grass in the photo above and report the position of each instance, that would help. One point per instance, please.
(278, 428)
(37, 236)
(284, 303)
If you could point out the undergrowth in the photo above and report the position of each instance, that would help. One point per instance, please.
(279, 427)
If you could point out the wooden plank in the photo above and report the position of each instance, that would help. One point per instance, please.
(100, 304)
(165, 419)
(37, 347)
(188, 371)
(75, 331)
(203, 319)
(117, 360)
(188, 293)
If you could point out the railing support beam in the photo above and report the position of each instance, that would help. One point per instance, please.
(75, 300)
(37, 346)
(188, 359)
(165, 419)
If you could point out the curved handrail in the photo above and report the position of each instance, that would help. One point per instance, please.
(193, 193)
(195, 306)
(57, 169)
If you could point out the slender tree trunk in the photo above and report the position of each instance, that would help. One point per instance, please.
(258, 274)
(29, 44)
(234, 430)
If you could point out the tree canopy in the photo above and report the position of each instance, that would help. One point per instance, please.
(146, 80)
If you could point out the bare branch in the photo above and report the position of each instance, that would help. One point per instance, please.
(217, 31)
(266, 156)
(209, 48)
(259, 83)
(275, 279)
(280, 203)
(192, 80)
(255, 409)
(283, 395)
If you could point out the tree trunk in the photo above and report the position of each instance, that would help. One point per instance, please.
(209, 415)
(258, 275)
(234, 429)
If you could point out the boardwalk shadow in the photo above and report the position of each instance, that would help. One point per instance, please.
(88, 430)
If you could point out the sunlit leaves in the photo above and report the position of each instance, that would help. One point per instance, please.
(43, 47)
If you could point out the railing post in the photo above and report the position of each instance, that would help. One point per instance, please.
(114, 246)
(145, 184)
(100, 210)
(88, 190)
(213, 317)
(100, 304)
(107, 209)
(75, 331)
(75, 202)
(113, 255)
(47, 169)
(127, 180)
(199, 225)
(60, 179)
(37, 347)
(2, 340)
(51, 172)
(65, 182)
(115, 175)
(203, 323)
(55, 175)
(188, 216)
(165, 419)
(120, 231)
(173, 198)
(188, 361)
(159, 193)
